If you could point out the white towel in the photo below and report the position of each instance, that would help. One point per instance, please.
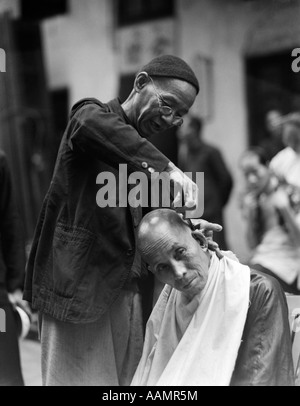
(196, 343)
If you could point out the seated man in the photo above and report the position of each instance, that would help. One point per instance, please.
(216, 322)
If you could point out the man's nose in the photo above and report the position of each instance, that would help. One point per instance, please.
(179, 270)
(168, 119)
(172, 120)
(252, 179)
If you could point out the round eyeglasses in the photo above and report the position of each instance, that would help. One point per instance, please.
(166, 110)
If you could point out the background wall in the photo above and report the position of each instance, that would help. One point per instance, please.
(11, 6)
(79, 50)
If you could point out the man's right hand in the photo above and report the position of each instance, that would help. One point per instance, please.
(183, 186)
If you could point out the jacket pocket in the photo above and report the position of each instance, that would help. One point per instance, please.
(71, 251)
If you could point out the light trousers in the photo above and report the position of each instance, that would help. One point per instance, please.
(103, 353)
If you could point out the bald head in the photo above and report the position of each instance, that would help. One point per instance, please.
(158, 226)
(177, 255)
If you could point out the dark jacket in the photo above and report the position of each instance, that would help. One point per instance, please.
(265, 354)
(82, 255)
(218, 184)
(12, 246)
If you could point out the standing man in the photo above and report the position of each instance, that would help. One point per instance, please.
(273, 141)
(83, 270)
(196, 155)
(286, 164)
(12, 271)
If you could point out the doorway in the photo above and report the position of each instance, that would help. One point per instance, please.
(271, 85)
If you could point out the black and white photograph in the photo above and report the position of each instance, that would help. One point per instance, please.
(149, 195)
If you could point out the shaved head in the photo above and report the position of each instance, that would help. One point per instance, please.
(158, 226)
(176, 255)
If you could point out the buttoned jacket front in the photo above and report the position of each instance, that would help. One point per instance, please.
(83, 255)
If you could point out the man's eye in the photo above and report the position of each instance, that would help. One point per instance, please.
(164, 102)
(181, 251)
(162, 268)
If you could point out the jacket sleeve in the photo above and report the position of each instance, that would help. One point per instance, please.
(265, 355)
(107, 137)
(12, 241)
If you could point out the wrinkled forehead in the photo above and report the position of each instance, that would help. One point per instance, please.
(160, 257)
(161, 241)
(178, 92)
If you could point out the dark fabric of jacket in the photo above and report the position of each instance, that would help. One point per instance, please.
(218, 184)
(82, 255)
(12, 246)
(218, 181)
(265, 354)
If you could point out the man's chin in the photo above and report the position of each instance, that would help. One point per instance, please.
(192, 288)
(191, 294)
(145, 135)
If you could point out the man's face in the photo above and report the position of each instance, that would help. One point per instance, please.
(257, 175)
(176, 94)
(291, 136)
(179, 261)
(273, 125)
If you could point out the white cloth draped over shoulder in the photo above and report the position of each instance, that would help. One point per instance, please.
(196, 343)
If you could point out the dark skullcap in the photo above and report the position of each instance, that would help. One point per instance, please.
(171, 67)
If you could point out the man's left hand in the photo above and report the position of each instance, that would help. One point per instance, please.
(16, 299)
(208, 230)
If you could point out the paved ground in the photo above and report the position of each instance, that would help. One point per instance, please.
(31, 362)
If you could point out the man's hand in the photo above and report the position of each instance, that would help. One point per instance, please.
(182, 183)
(208, 230)
(280, 200)
(16, 299)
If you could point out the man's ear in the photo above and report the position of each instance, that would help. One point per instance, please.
(200, 238)
(141, 81)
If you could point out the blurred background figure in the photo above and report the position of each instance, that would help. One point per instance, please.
(273, 143)
(286, 164)
(196, 155)
(273, 221)
(12, 268)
